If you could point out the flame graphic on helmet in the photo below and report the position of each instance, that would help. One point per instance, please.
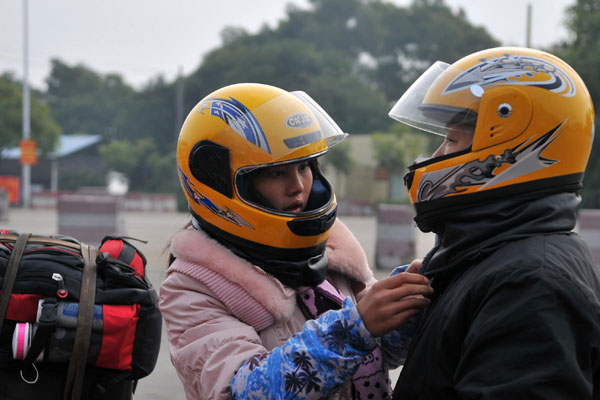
(239, 118)
(204, 201)
(514, 70)
(522, 159)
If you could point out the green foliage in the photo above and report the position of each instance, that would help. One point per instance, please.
(150, 114)
(387, 45)
(591, 181)
(582, 52)
(293, 65)
(83, 101)
(148, 169)
(398, 149)
(354, 57)
(339, 157)
(44, 129)
(76, 178)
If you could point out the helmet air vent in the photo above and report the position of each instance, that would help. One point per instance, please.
(209, 163)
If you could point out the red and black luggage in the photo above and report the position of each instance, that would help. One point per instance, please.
(76, 322)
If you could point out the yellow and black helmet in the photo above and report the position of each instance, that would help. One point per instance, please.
(533, 124)
(236, 131)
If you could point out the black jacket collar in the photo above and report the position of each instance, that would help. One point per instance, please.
(473, 233)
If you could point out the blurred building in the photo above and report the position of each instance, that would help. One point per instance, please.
(74, 153)
(366, 184)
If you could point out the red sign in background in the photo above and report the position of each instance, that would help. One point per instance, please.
(11, 184)
(28, 152)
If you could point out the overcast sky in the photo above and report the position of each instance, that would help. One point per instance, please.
(142, 39)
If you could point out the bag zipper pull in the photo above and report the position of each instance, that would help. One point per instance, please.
(62, 291)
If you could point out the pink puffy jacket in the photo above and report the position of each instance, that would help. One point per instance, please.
(220, 310)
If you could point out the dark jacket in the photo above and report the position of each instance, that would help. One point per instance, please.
(516, 309)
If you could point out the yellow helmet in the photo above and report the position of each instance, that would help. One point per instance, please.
(533, 123)
(236, 130)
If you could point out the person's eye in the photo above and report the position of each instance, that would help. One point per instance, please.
(449, 140)
(277, 172)
(303, 167)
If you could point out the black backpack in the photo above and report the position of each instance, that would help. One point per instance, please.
(76, 322)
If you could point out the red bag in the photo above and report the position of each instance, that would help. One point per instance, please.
(64, 303)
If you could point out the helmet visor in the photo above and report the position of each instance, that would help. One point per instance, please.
(423, 106)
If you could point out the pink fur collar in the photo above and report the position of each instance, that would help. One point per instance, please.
(343, 251)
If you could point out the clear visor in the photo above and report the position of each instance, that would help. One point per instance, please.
(275, 131)
(419, 109)
(332, 133)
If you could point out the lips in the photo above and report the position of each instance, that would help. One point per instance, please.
(296, 206)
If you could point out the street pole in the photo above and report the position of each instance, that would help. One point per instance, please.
(26, 168)
(528, 27)
(179, 101)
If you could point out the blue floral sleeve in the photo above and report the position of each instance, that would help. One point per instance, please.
(395, 344)
(312, 363)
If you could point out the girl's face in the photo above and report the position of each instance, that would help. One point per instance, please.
(286, 187)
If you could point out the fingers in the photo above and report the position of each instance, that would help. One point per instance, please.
(415, 265)
(402, 279)
(392, 315)
(395, 288)
(393, 303)
(398, 319)
(407, 290)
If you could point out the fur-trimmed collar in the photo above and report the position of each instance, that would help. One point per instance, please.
(344, 253)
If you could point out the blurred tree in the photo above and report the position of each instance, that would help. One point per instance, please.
(396, 150)
(44, 129)
(83, 101)
(148, 168)
(293, 65)
(353, 56)
(150, 113)
(390, 46)
(340, 159)
(582, 52)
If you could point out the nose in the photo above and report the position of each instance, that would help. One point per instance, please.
(294, 183)
(440, 151)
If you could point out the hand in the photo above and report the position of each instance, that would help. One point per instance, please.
(390, 302)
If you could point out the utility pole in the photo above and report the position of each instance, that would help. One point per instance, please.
(528, 27)
(179, 93)
(26, 167)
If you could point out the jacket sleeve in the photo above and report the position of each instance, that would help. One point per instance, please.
(206, 343)
(533, 337)
(395, 344)
(312, 363)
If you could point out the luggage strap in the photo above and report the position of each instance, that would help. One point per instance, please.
(33, 239)
(83, 332)
(11, 274)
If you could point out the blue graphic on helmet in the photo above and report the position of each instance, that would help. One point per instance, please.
(515, 70)
(204, 201)
(239, 118)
